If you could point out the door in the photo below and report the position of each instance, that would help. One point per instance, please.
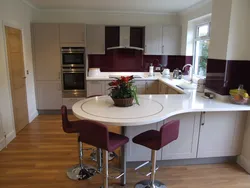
(185, 146)
(95, 88)
(153, 40)
(46, 52)
(171, 40)
(49, 95)
(95, 39)
(221, 134)
(152, 87)
(72, 34)
(141, 89)
(17, 76)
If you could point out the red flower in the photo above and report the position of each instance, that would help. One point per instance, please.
(114, 83)
(126, 79)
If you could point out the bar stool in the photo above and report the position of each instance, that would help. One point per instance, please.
(97, 135)
(155, 140)
(80, 171)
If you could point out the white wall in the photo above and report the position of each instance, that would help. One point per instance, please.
(15, 13)
(239, 39)
(199, 10)
(104, 18)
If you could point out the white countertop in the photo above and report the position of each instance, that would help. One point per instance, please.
(152, 109)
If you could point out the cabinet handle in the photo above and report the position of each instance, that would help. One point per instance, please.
(145, 49)
(203, 118)
(162, 49)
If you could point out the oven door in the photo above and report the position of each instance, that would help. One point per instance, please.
(73, 80)
(72, 59)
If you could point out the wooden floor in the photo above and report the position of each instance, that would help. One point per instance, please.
(41, 153)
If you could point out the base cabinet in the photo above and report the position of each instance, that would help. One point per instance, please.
(95, 88)
(151, 87)
(69, 102)
(221, 134)
(136, 152)
(49, 95)
(185, 146)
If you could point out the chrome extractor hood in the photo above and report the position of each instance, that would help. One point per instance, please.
(125, 40)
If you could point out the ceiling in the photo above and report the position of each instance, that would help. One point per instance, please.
(156, 6)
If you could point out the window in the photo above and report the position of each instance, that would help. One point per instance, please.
(201, 45)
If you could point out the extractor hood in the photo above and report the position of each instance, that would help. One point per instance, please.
(125, 40)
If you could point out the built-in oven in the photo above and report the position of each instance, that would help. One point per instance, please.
(73, 81)
(73, 56)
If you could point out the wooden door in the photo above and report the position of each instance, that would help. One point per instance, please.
(152, 87)
(153, 40)
(46, 52)
(171, 40)
(17, 76)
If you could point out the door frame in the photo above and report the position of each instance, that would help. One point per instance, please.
(19, 27)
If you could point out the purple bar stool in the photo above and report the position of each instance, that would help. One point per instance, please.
(155, 140)
(96, 134)
(79, 171)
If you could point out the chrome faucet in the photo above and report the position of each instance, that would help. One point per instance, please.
(190, 72)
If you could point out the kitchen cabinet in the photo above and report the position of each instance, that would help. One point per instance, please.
(69, 102)
(153, 40)
(72, 34)
(151, 87)
(46, 50)
(112, 36)
(172, 91)
(162, 87)
(95, 39)
(134, 151)
(141, 87)
(171, 40)
(49, 95)
(221, 134)
(185, 146)
(162, 40)
(95, 88)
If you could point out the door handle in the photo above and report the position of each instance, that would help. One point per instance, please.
(203, 118)
(24, 77)
(59, 75)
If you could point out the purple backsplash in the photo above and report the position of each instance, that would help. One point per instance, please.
(127, 60)
(223, 75)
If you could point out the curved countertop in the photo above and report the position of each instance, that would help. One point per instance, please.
(152, 108)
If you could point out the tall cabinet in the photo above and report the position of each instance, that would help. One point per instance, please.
(46, 50)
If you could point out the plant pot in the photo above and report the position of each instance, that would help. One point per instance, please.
(123, 102)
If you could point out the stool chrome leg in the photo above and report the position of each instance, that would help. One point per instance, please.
(105, 169)
(80, 171)
(99, 159)
(152, 183)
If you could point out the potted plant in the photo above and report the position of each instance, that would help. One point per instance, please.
(123, 92)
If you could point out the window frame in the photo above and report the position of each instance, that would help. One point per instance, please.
(197, 38)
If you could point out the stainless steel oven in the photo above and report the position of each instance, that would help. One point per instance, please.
(73, 81)
(73, 56)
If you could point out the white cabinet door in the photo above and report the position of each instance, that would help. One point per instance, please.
(72, 33)
(46, 51)
(134, 151)
(49, 95)
(221, 134)
(141, 89)
(186, 145)
(152, 87)
(95, 39)
(95, 88)
(69, 102)
(171, 40)
(153, 40)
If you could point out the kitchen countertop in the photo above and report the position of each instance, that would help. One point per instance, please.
(152, 108)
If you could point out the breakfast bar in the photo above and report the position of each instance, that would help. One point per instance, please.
(208, 128)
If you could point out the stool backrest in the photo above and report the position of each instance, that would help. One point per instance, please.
(67, 127)
(95, 134)
(169, 132)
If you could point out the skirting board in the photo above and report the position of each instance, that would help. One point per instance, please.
(9, 138)
(244, 163)
(183, 162)
(33, 116)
